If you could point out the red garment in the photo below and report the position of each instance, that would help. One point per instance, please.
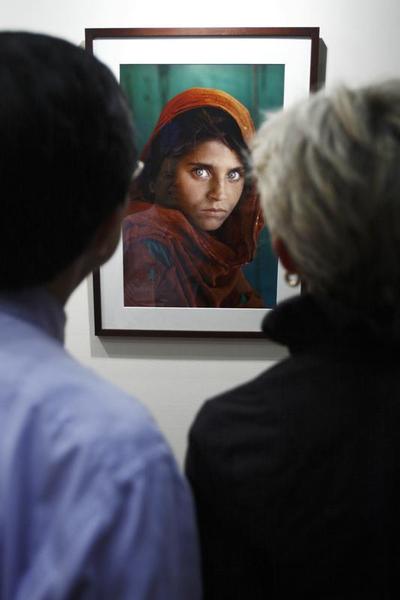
(167, 261)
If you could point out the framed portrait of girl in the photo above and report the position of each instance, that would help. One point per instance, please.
(195, 258)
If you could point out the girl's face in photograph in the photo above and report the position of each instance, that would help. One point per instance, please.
(208, 183)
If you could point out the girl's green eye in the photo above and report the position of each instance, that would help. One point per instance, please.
(200, 172)
(234, 175)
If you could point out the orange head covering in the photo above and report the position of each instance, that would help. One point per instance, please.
(197, 98)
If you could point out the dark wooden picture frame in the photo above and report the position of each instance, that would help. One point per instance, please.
(262, 45)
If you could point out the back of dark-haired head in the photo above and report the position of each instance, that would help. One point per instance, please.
(184, 133)
(66, 154)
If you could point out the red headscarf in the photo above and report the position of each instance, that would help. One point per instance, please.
(215, 259)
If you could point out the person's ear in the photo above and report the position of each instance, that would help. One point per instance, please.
(281, 250)
(107, 235)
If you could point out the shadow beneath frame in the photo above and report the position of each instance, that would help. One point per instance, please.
(187, 349)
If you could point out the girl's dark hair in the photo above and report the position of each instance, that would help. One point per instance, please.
(184, 133)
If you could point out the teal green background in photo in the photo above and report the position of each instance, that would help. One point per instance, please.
(259, 87)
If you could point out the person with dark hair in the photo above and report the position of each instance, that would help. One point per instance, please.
(92, 504)
(296, 473)
(194, 218)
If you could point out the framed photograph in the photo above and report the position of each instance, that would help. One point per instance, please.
(195, 258)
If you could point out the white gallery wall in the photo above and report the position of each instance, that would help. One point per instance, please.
(172, 376)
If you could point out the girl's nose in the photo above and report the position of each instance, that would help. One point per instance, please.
(217, 189)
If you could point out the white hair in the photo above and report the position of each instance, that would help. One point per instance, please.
(328, 172)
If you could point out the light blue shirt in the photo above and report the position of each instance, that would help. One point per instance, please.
(92, 505)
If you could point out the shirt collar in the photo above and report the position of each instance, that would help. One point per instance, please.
(38, 307)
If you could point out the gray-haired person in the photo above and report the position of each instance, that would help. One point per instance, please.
(92, 505)
(296, 474)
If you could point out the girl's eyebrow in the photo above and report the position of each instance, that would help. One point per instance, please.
(211, 166)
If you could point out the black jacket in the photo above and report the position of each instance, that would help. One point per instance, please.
(296, 474)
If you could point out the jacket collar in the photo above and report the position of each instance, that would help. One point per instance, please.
(307, 321)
